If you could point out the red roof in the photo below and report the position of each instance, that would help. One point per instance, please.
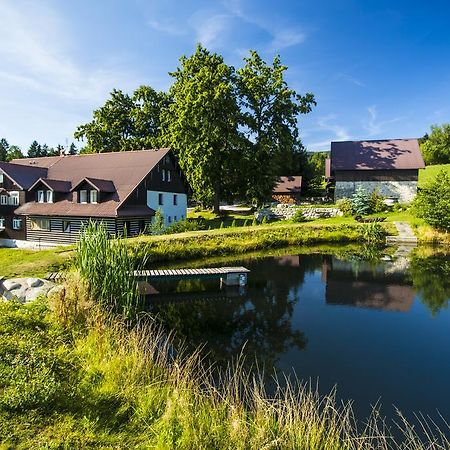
(291, 184)
(389, 154)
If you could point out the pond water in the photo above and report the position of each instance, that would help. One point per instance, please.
(378, 329)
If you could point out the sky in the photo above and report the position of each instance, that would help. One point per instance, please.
(378, 68)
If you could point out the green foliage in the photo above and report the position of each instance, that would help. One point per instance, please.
(298, 216)
(4, 147)
(346, 206)
(107, 266)
(435, 146)
(270, 110)
(376, 202)
(201, 124)
(157, 225)
(360, 202)
(432, 202)
(185, 225)
(14, 152)
(373, 233)
(124, 122)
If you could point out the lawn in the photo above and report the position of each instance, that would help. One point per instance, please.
(430, 172)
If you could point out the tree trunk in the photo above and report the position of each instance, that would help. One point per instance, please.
(216, 204)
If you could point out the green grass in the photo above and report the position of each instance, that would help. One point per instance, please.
(430, 172)
(72, 377)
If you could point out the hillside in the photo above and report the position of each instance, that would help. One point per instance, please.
(431, 171)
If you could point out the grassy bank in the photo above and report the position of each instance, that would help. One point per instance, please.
(73, 378)
(430, 172)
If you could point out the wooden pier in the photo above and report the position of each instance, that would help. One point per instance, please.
(230, 276)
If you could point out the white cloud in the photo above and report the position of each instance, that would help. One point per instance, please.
(340, 132)
(170, 28)
(39, 57)
(374, 126)
(285, 38)
(210, 30)
(327, 126)
(350, 79)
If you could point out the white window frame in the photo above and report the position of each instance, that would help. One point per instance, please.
(163, 175)
(2, 222)
(3, 199)
(49, 196)
(17, 223)
(168, 176)
(93, 193)
(41, 196)
(83, 192)
(67, 226)
(14, 198)
(1, 178)
(37, 224)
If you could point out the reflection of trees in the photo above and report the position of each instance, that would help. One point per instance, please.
(261, 319)
(431, 278)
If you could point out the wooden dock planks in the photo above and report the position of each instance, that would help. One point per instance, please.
(167, 273)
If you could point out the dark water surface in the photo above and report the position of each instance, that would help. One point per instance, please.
(377, 330)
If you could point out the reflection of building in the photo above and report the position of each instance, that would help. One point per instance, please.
(366, 288)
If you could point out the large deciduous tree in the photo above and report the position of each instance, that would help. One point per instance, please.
(435, 146)
(124, 122)
(201, 124)
(270, 110)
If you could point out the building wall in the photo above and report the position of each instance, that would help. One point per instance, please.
(172, 213)
(56, 233)
(7, 212)
(404, 191)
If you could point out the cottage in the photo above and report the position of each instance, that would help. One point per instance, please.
(48, 199)
(390, 166)
(287, 189)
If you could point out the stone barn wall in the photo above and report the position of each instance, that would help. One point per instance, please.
(404, 191)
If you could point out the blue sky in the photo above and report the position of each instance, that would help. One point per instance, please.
(378, 68)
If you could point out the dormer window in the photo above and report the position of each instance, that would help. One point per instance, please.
(168, 175)
(83, 196)
(41, 196)
(3, 199)
(93, 196)
(49, 196)
(14, 198)
(163, 174)
(1, 177)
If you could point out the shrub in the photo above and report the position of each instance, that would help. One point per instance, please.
(360, 202)
(373, 233)
(432, 202)
(298, 217)
(158, 225)
(376, 202)
(184, 225)
(345, 205)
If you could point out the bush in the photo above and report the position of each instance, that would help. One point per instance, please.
(376, 202)
(185, 225)
(432, 202)
(298, 217)
(345, 205)
(158, 225)
(373, 233)
(360, 202)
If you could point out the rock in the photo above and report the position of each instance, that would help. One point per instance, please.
(34, 282)
(10, 285)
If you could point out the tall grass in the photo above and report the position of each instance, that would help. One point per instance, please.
(107, 265)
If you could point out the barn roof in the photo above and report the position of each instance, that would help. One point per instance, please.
(291, 184)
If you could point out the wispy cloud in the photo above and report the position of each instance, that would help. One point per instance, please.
(211, 29)
(286, 38)
(332, 130)
(374, 126)
(39, 57)
(350, 79)
(166, 27)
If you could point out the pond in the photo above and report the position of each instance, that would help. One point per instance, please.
(378, 328)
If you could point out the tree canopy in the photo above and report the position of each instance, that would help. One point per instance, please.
(233, 131)
(435, 146)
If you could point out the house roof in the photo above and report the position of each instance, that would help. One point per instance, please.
(290, 184)
(388, 154)
(122, 171)
(54, 185)
(23, 176)
(99, 185)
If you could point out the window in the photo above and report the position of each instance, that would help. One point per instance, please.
(40, 197)
(175, 199)
(1, 177)
(66, 226)
(94, 197)
(40, 224)
(17, 223)
(3, 199)
(49, 196)
(167, 159)
(174, 218)
(83, 196)
(160, 199)
(14, 198)
(169, 219)
(2, 223)
(168, 175)
(163, 175)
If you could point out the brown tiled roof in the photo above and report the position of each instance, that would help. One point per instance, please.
(99, 185)
(24, 177)
(288, 185)
(123, 170)
(386, 154)
(54, 185)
